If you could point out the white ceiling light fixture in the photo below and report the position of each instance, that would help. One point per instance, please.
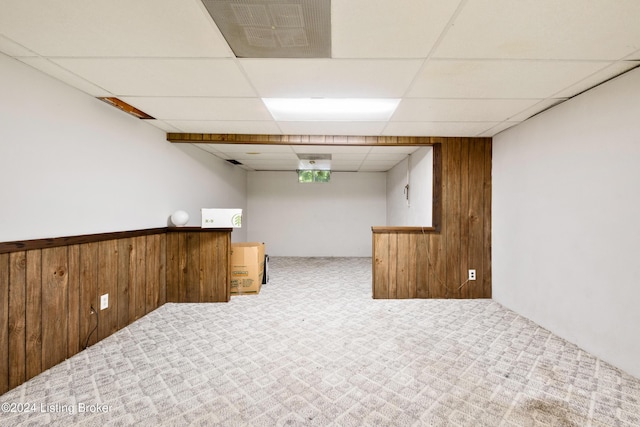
(331, 109)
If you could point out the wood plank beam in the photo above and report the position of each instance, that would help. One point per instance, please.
(217, 138)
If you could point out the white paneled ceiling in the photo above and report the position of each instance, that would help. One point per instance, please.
(460, 67)
(350, 158)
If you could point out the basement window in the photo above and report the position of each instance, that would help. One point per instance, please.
(310, 175)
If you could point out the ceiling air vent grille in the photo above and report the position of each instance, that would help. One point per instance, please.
(274, 28)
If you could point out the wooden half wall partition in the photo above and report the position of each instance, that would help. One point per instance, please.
(50, 289)
(198, 265)
(433, 262)
(419, 262)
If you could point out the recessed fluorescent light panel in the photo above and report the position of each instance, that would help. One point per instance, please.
(274, 29)
(331, 109)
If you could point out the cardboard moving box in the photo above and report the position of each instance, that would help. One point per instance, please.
(247, 267)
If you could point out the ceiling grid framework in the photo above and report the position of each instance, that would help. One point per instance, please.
(468, 68)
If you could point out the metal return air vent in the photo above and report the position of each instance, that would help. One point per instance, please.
(274, 28)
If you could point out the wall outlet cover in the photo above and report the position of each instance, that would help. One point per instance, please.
(104, 301)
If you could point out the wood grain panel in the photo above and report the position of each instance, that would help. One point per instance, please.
(403, 274)
(222, 262)
(475, 223)
(74, 341)
(138, 278)
(89, 304)
(412, 265)
(125, 248)
(182, 264)
(33, 315)
(207, 281)
(381, 265)
(54, 306)
(17, 312)
(465, 193)
(155, 279)
(393, 268)
(4, 323)
(216, 138)
(192, 268)
(198, 265)
(486, 220)
(421, 257)
(162, 270)
(173, 267)
(108, 285)
(460, 238)
(26, 245)
(49, 296)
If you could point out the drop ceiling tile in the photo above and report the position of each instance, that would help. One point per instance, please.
(335, 149)
(332, 128)
(288, 165)
(64, 76)
(345, 166)
(275, 149)
(597, 78)
(11, 48)
(437, 128)
(162, 77)
(458, 110)
(498, 128)
(331, 78)
(401, 149)
(211, 148)
(261, 156)
(385, 29)
(122, 28)
(535, 109)
(254, 148)
(196, 108)
(238, 126)
(498, 79)
(377, 166)
(162, 125)
(384, 156)
(543, 29)
(340, 157)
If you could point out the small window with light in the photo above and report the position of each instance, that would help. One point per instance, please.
(310, 175)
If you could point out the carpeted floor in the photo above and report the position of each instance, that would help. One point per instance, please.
(313, 348)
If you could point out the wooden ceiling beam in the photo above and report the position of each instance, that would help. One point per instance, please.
(217, 138)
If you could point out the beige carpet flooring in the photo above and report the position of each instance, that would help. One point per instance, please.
(314, 349)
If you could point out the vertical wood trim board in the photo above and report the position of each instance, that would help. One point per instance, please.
(434, 263)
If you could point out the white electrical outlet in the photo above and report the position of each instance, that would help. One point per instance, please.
(472, 275)
(104, 301)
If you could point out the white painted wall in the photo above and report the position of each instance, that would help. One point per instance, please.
(418, 211)
(566, 230)
(320, 219)
(71, 164)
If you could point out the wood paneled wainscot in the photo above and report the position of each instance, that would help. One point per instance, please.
(198, 264)
(433, 262)
(50, 295)
(50, 289)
